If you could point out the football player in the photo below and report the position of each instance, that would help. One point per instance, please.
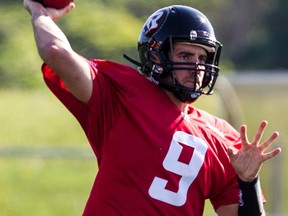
(156, 153)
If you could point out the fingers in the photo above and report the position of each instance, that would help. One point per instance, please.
(33, 6)
(271, 154)
(259, 133)
(70, 6)
(248, 160)
(243, 136)
(30, 5)
(267, 143)
(257, 137)
(58, 13)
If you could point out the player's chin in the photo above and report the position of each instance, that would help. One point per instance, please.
(191, 85)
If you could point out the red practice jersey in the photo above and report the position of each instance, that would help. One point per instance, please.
(152, 159)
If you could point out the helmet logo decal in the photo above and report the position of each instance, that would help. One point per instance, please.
(193, 35)
(155, 21)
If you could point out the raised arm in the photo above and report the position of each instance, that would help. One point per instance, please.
(55, 49)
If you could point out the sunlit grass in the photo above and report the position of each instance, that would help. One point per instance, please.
(45, 187)
(33, 118)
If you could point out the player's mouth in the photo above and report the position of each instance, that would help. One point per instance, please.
(190, 83)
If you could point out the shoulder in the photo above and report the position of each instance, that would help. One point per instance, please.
(215, 125)
(110, 67)
(203, 117)
(119, 74)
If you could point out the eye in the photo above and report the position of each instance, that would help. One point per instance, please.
(184, 56)
(202, 59)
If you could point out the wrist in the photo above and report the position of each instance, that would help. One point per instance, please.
(247, 178)
(247, 184)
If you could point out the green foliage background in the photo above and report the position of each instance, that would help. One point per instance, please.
(35, 123)
(253, 34)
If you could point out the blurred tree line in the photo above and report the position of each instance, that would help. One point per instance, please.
(253, 34)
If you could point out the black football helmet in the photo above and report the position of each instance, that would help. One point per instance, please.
(171, 24)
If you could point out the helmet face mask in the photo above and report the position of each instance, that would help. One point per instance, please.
(160, 32)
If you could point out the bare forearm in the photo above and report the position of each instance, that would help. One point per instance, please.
(55, 50)
(49, 38)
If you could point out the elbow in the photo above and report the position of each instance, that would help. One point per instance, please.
(50, 52)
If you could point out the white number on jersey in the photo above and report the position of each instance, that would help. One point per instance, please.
(188, 172)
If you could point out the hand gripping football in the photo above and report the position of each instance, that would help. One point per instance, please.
(58, 4)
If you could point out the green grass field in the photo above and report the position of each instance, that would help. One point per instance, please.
(39, 178)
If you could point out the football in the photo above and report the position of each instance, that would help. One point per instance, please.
(58, 4)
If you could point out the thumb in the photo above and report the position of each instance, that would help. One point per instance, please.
(55, 14)
(231, 151)
(69, 7)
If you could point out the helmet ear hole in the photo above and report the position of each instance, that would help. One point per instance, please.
(154, 57)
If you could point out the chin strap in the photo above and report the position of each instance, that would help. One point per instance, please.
(141, 68)
(133, 61)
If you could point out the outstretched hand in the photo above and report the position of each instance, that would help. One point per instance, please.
(33, 6)
(248, 160)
